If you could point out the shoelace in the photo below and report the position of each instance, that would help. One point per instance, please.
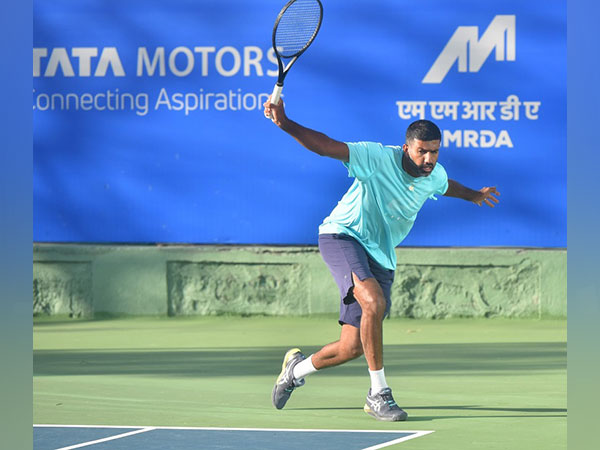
(387, 398)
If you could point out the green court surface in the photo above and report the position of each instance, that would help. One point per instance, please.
(477, 383)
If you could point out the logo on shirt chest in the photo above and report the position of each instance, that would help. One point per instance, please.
(402, 197)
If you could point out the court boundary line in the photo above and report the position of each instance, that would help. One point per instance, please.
(157, 427)
(110, 438)
(402, 439)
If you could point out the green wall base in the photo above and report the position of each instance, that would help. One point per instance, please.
(82, 280)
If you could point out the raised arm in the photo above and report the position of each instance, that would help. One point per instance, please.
(485, 194)
(313, 140)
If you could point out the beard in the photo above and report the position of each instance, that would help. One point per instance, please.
(414, 169)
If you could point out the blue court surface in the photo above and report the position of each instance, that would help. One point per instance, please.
(67, 437)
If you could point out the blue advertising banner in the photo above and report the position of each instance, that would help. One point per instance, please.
(148, 123)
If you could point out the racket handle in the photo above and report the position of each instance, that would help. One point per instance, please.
(276, 95)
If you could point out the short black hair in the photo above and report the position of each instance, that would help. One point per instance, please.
(423, 130)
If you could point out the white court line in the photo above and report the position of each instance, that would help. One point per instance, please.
(423, 432)
(396, 441)
(111, 438)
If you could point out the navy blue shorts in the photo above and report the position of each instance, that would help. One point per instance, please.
(344, 256)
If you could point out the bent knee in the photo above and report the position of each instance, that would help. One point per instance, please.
(353, 351)
(356, 351)
(370, 297)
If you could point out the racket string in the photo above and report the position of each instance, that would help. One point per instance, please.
(297, 27)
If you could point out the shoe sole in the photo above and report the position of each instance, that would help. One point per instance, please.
(290, 353)
(370, 412)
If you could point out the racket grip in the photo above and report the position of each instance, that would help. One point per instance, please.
(276, 95)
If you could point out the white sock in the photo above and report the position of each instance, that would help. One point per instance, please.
(304, 368)
(378, 382)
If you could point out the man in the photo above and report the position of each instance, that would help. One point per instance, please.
(357, 242)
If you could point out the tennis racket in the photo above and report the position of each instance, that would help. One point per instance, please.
(295, 29)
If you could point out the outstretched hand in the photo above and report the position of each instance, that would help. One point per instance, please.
(487, 195)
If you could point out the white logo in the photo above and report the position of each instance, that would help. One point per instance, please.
(499, 35)
(181, 61)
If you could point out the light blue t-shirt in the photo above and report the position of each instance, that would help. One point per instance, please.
(381, 206)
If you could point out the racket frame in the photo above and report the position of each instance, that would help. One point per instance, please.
(283, 71)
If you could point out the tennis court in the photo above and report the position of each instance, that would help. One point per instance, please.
(205, 383)
(52, 437)
(160, 189)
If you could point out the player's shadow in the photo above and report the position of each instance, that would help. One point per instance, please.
(482, 408)
(415, 417)
(526, 412)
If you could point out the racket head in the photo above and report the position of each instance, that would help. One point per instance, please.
(296, 27)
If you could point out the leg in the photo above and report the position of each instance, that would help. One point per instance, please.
(363, 303)
(369, 295)
(354, 341)
(347, 348)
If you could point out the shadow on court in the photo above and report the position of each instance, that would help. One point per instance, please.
(414, 418)
(521, 416)
(469, 408)
(425, 359)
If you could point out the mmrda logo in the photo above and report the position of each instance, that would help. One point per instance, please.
(465, 43)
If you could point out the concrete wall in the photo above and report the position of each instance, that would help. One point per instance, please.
(81, 280)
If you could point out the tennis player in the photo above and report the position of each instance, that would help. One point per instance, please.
(357, 242)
